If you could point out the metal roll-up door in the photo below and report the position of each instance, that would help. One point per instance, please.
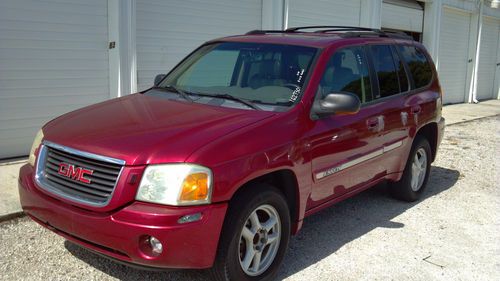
(402, 15)
(488, 59)
(453, 55)
(321, 12)
(53, 59)
(169, 30)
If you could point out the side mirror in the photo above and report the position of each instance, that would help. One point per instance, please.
(158, 79)
(337, 103)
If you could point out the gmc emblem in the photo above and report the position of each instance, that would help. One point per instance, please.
(76, 173)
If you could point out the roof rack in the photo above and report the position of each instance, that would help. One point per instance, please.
(348, 31)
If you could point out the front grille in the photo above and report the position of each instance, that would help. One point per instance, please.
(103, 178)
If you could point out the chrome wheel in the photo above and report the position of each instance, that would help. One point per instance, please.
(418, 169)
(259, 240)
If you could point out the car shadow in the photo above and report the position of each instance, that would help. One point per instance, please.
(321, 235)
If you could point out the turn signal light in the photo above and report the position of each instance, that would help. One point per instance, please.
(195, 187)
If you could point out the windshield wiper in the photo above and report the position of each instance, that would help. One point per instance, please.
(230, 97)
(181, 93)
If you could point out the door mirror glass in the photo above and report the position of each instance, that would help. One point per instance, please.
(337, 103)
(158, 79)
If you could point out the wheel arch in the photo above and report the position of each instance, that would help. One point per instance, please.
(285, 181)
(430, 132)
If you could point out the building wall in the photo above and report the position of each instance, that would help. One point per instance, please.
(146, 37)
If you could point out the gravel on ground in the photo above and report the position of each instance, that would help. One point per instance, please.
(453, 233)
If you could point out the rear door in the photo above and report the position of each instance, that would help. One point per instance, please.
(420, 104)
(391, 86)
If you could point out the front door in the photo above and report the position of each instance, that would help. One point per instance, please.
(344, 147)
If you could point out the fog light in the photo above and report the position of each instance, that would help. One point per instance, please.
(190, 218)
(156, 246)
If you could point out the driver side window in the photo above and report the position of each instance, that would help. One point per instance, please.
(347, 71)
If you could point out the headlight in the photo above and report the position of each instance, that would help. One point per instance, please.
(176, 184)
(34, 147)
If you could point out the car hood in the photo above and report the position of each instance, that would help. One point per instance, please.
(144, 129)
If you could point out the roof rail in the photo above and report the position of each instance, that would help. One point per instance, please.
(349, 31)
(258, 31)
(329, 28)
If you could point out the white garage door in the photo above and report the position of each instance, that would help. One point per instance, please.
(488, 59)
(169, 30)
(453, 54)
(53, 59)
(321, 12)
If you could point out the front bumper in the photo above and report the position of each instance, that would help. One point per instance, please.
(118, 234)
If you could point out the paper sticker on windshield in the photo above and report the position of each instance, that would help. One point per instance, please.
(300, 73)
(295, 94)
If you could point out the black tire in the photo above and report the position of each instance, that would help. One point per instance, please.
(227, 263)
(402, 189)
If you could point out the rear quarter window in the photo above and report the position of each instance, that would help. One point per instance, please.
(418, 64)
(385, 68)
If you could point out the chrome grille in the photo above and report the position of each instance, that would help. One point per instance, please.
(105, 174)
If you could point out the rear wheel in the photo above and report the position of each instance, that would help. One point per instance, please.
(255, 235)
(416, 173)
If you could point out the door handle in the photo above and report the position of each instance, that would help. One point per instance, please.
(372, 123)
(416, 109)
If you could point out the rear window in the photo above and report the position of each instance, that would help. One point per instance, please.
(418, 64)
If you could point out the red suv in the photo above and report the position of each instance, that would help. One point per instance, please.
(219, 163)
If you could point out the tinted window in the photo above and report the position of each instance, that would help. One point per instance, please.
(385, 69)
(403, 77)
(418, 64)
(347, 71)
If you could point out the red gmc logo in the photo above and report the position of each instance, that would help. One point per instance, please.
(76, 173)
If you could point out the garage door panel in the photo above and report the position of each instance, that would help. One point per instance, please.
(50, 44)
(34, 15)
(53, 64)
(453, 54)
(32, 54)
(54, 59)
(51, 74)
(19, 84)
(48, 26)
(186, 8)
(488, 58)
(90, 8)
(169, 30)
(320, 12)
(52, 35)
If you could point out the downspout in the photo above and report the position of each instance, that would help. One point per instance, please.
(286, 4)
(473, 92)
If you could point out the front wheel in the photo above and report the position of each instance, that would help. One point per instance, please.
(255, 235)
(416, 173)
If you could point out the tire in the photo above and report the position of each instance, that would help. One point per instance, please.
(409, 188)
(257, 202)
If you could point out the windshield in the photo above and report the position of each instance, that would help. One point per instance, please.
(269, 76)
